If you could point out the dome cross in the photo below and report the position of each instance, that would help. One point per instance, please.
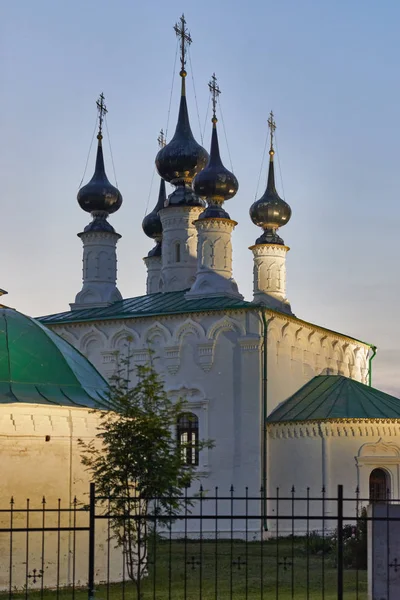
(215, 92)
(161, 139)
(185, 40)
(272, 127)
(101, 107)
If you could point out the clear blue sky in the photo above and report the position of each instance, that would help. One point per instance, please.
(328, 69)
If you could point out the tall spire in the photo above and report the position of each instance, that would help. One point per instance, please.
(214, 226)
(182, 158)
(152, 223)
(270, 212)
(99, 197)
(269, 263)
(99, 238)
(215, 183)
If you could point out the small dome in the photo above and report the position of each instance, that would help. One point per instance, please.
(270, 212)
(182, 158)
(99, 195)
(215, 183)
(38, 366)
(151, 224)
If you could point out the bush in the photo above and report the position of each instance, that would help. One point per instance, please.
(355, 549)
(318, 544)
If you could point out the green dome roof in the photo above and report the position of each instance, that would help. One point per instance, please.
(38, 367)
(336, 397)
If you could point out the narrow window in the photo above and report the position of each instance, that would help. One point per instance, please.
(378, 486)
(177, 252)
(188, 438)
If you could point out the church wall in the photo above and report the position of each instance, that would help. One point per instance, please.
(312, 454)
(297, 352)
(215, 361)
(33, 468)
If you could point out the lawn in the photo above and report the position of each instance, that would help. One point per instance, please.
(208, 570)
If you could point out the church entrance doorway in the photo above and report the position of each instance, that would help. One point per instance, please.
(378, 486)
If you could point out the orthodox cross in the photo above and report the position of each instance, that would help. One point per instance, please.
(239, 563)
(272, 127)
(395, 565)
(185, 40)
(193, 563)
(101, 107)
(35, 575)
(161, 139)
(215, 92)
(286, 563)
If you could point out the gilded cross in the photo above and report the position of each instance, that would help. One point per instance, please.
(185, 40)
(215, 92)
(272, 127)
(161, 139)
(101, 107)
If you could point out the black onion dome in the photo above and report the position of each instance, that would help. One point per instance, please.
(182, 158)
(99, 195)
(270, 212)
(215, 182)
(151, 224)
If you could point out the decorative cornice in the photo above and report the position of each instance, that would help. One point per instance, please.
(259, 249)
(214, 223)
(102, 235)
(286, 318)
(330, 428)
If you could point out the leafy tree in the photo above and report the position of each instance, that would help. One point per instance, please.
(137, 464)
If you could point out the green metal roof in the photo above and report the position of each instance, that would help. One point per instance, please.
(168, 303)
(336, 397)
(39, 367)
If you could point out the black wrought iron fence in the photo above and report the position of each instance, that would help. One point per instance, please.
(298, 545)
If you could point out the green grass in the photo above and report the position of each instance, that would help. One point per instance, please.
(171, 577)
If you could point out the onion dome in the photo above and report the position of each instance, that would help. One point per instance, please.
(99, 197)
(182, 158)
(215, 183)
(270, 212)
(99, 194)
(152, 223)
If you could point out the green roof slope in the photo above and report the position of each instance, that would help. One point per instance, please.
(336, 397)
(168, 303)
(39, 367)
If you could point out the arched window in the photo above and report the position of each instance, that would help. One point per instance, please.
(378, 486)
(177, 252)
(188, 438)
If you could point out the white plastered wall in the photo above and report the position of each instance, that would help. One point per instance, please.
(33, 468)
(215, 360)
(326, 454)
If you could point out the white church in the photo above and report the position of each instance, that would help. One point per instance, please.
(286, 402)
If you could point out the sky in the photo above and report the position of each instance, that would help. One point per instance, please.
(329, 70)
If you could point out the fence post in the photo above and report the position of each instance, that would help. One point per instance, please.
(340, 543)
(92, 506)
